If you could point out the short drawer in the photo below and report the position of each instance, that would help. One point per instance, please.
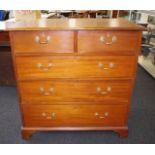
(74, 115)
(75, 67)
(52, 92)
(43, 41)
(108, 42)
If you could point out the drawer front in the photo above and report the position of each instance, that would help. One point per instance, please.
(47, 92)
(71, 67)
(108, 42)
(74, 115)
(43, 41)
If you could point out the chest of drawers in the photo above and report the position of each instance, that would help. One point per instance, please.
(75, 74)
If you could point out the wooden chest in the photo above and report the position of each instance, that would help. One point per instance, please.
(75, 74)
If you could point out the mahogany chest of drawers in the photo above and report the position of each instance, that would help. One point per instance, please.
(75, 74)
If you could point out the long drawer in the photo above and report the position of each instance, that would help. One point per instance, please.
(51, 92)
(74, 67)
(43, 42)
(74, 115)
(108, 42)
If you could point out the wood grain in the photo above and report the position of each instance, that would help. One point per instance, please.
(60, 42)
(73, 24)
(56, 92)
(74, 67)
(74, 115)
(89, 42)
(58, 80)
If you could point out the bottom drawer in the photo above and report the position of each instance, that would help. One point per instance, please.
(74, 115)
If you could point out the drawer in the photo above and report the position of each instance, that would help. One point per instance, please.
(75, 67)
(74, 115)
(51, 92)
(108, 42)
(43, 41)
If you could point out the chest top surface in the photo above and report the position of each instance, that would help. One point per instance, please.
(73, 24)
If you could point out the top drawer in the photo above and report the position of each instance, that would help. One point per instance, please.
(43, 41)
(108, 42)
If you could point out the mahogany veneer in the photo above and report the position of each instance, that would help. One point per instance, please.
(74, 115)
(59, 42)
(75, 74)
(75, 91)
(75, 67)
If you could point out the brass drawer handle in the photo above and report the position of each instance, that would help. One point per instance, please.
(46, 93)
(106, 114)
(104, 40)
(42, 67)
(39, 41)
(48, 116)
(103, 92)
(102, 66)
